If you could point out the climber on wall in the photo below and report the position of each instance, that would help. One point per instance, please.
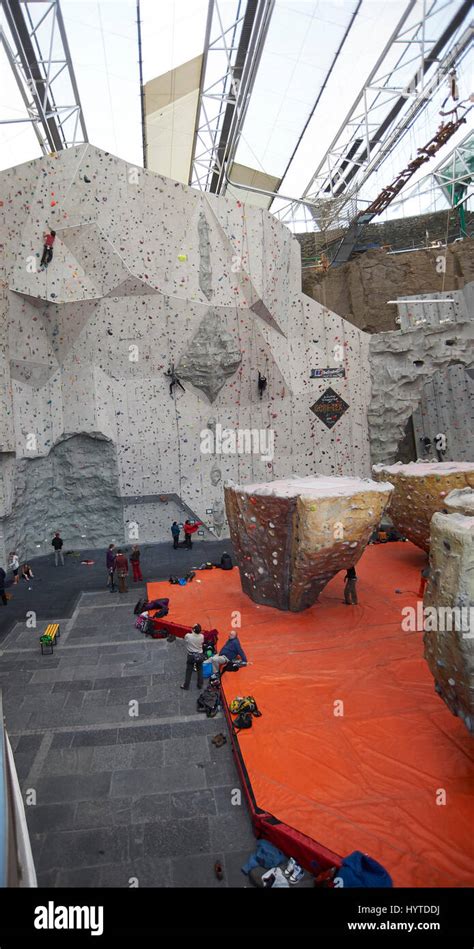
(48, 238)
(174, 379)
(262, 383)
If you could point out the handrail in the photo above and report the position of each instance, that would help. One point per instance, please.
(16, 859)
(3, 803)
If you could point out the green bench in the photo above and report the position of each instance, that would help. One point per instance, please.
(50, 637)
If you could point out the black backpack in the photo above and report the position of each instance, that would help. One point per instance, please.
(244, 720)
(208, 702)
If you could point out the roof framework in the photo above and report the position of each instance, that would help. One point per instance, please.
(234, 48)
(38, 54)
(386, 108)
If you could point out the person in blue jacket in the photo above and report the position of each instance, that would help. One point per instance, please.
(233, 649)
(175, 529)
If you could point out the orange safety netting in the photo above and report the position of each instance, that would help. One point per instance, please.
(354, 747)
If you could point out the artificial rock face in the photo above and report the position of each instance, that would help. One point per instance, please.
(449, 630)
(402, 364)
(420, 491)
(149, 273)
(291, 537)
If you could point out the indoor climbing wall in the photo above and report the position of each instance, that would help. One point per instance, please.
(151, 277)
(412, 368)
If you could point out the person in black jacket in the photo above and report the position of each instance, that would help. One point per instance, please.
(350, 592)
(2, 586)
(226, 562)
(57, 543)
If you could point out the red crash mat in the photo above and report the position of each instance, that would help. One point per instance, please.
(354, 747)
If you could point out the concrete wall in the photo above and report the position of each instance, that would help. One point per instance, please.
(360, 289)
(148, 272)
(400, 233)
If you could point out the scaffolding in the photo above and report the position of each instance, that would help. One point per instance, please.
(38, 54)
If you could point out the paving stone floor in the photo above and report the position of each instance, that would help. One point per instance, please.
(119, 798)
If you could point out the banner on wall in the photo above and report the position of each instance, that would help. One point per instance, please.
(336, 372)
(329, 407)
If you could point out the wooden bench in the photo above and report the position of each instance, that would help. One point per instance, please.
(50, 637)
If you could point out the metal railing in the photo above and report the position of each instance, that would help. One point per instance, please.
(16, 859)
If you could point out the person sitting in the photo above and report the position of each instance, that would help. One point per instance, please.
(26, 572)
(218, 664)
(232, 649)
(226, 562)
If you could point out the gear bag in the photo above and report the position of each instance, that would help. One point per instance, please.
(208, 702)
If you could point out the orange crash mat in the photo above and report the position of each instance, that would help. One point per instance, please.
(354, 747)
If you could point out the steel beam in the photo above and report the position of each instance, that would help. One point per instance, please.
(43, 88)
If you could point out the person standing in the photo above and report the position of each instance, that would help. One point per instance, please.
(190, 528)
(194, 656)
(425, 576)
(350, 592)
(135, 562)
(110, 559)
(121, 565)
(175, 534)
(57, 543)
(3, 596)
(15, 566)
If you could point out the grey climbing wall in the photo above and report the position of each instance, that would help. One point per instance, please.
(148, 273)
(402, 364)
(75, 484)
(447, 407)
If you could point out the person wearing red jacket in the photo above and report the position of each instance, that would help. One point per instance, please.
(121, 566)
(189, 529)
(47, 257)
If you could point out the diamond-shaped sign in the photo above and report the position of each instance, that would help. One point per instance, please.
(329, 407)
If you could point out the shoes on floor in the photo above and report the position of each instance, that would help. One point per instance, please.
(185, 688)
(290, 867)
(297, 875)
(219, 740)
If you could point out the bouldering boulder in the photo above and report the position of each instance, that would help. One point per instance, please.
(449, 605)
(291, 537)
(420, 491)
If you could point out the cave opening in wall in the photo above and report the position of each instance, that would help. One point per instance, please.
(407, 450)
(74, 489)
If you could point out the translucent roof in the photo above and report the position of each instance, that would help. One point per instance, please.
(316, 58)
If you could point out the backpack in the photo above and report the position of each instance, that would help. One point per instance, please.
(247, 704)
(208, 702)
(243, 720)
(145, 625)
